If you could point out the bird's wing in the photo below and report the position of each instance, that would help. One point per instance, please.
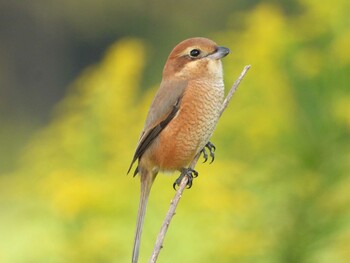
(163, 109)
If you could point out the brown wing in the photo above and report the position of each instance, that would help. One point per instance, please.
(164, 107)
(152, 134)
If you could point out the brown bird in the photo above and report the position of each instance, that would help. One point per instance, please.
(182, 117)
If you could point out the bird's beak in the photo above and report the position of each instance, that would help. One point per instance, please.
(219, 53)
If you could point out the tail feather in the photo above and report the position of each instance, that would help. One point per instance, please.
(147, 179)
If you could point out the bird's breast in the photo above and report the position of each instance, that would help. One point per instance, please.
(192, 127)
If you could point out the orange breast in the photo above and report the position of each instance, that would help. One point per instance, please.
(191, 129)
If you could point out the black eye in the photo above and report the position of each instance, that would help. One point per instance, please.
(195, 53)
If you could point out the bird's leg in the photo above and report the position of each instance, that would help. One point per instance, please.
(205, 154)
(190, 173)
(211, 148)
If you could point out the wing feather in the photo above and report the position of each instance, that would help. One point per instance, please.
(164, 107)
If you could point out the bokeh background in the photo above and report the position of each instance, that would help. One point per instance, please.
(76, 80)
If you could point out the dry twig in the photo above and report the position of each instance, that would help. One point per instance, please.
(182, 186)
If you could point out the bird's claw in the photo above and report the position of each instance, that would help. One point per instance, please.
(211, 147)
(190, 173)
(205, 154)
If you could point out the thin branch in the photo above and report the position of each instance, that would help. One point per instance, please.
(183, 184)
(171, 213)
(233, 89)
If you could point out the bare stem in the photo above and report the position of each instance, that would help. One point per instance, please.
(182, 186)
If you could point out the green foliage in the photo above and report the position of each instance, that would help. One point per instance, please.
(277, 192)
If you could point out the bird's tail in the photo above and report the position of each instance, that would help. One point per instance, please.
(147, 179)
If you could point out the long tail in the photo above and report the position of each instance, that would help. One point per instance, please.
(147, 179)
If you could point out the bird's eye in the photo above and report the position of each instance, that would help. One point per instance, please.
(195, 53)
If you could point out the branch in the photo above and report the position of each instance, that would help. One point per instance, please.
(182, 186)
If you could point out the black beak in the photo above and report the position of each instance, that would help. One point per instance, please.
(219, 53)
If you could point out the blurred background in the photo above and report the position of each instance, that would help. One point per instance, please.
(76, 80)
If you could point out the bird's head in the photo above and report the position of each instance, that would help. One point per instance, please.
(195, 58)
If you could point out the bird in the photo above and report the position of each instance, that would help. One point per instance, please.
(181, 119)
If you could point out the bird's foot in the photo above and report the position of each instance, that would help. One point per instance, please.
(190, 173)
(211, 148)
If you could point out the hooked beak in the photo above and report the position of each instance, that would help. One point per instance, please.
(219, 53)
